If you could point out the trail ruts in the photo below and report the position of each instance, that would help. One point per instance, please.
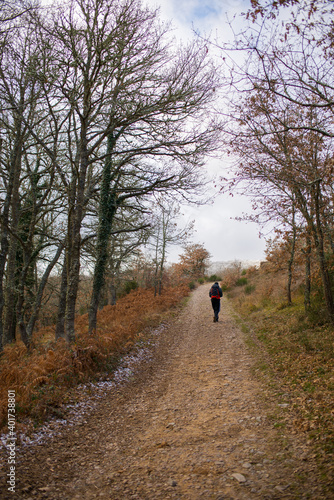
(191, 424)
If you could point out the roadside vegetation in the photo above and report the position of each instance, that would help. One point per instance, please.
(41, 377)
(294, 348)
(44, 375)
(280, 140)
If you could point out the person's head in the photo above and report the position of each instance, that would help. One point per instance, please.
(216, 282)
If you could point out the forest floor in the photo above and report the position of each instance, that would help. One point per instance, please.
(193, 421)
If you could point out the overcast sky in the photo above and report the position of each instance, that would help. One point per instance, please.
(225, 238)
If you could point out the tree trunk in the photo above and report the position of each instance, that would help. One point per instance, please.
(317, 233)
(20, 301)
(326, 282)
(73, 276)
(163, 258)
(112, 294)
(319, 243)
(60, 326)
(307, 293)
(76, 214)
(4, 246)
(292, 256)
(10, 290)
(27, 330)
(107, 211)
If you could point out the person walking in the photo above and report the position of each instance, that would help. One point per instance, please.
(215, 293)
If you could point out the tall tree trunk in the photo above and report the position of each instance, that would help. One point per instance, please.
(156, 270)
(317, 234)
(325, 278)
(10, 295)
(20, 300)
(76, 214)
(26, 330)
(114, 281)
(4, 245)
(10, 290)
(112, 294)
(162, 261)
(106, 214)
(319, 244)
(292, 256)
(307, 293)
(60, 326)
(73, 272)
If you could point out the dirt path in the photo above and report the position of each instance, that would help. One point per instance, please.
(193, 423)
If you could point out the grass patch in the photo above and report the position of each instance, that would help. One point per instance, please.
(249, 289)
(298, 348)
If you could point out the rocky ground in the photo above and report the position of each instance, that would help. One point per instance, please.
(192, 422)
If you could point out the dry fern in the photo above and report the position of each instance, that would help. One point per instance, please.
(39, 376)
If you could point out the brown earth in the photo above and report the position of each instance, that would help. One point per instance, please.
(193, 422)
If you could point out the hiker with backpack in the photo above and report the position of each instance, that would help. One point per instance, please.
(215, 293)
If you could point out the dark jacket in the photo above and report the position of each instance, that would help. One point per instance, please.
(215, 291)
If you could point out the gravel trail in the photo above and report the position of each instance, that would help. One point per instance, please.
(191, 423)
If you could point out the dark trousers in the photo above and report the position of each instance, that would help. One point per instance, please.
(215, 306)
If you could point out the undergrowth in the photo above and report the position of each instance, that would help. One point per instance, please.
(43, 376)
(300, 350)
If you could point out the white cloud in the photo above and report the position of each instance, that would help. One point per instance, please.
(202, 15)
(224, 237)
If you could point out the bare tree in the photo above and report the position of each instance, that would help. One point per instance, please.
(165, 232)
(11, 10)
(26, 179)
(281, 120)
(290, 56)
(132, 103)
(288, 171)
(98, 108)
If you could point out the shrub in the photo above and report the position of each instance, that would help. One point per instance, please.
(129, 286)
(214, 277)
(241, 282)
(249, 289)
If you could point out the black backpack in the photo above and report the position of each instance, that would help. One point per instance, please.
(215, 292)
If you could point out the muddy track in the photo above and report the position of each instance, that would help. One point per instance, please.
(192, 423)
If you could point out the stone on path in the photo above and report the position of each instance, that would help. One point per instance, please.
(239, 477)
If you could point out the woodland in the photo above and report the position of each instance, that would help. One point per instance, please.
(102, 119)
(107, 124)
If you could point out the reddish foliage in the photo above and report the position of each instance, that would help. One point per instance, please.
(40, 376)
